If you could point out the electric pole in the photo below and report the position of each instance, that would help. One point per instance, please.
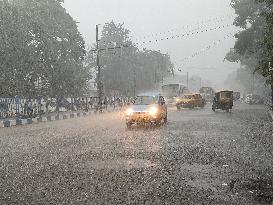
(270, 69)
(134, 82)
(253, 82)
(188, 79)
(99, 82)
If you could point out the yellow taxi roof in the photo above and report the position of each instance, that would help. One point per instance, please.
(192, 94)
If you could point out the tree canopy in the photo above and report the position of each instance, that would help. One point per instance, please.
(41, 50)
(254, 45)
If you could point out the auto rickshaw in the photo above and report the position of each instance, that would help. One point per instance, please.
(223, 100)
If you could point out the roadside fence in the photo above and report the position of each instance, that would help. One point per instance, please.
(17, 109)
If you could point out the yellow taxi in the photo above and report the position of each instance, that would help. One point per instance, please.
(190, 101)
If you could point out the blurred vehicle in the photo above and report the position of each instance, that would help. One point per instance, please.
(147, 109)
(173, 91)
(253, 99)
(236, 96)
(207, 93)
(190, 101)
(223, 100)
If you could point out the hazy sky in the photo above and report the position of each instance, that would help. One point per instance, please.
(155, 19)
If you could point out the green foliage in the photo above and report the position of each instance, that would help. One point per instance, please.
(41, 50)
(254, 45)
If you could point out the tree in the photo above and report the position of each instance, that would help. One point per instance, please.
(254, 45)
(118, 65)
(42, 50)
(125, 68)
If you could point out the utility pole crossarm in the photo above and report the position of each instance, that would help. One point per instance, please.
(106, 49)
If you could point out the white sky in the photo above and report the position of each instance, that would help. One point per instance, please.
(149, 17)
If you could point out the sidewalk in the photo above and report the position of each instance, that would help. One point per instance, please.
(10, 122)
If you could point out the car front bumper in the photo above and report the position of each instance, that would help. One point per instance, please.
(141, 118)
(184, 105)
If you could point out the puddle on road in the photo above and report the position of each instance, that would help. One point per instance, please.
(118, 164)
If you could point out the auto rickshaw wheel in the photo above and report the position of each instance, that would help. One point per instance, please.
(158, 122)
(166, 119)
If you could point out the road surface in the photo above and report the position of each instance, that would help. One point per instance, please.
(198, 157)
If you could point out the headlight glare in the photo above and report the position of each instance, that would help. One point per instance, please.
(129, 111)
(153, 111)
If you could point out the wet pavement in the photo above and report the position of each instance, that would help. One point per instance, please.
(198, 157)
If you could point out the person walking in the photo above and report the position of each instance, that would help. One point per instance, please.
(46, 105)
(34, 109)
(25, 108)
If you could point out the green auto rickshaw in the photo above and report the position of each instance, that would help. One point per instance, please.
(223, 100)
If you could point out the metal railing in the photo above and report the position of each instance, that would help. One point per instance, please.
(31, 108)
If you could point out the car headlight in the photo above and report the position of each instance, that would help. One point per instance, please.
(129, 111)
(153, 111)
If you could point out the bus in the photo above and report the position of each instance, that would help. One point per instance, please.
(207, 93)
(172, 91)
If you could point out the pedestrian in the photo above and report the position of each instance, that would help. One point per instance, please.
(41, 108)
(25, 108)
(105, 103)
(46, 105)
(35, 109)
(31, 108)
(28, 109)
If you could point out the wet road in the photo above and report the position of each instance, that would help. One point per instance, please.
(198, 157)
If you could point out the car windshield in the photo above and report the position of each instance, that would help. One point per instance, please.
(145, 100)
(187, 96)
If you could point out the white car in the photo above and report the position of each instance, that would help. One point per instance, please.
(147, 109)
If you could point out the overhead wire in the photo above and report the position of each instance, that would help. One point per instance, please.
(203, 22)
(156, 36)
(187, 34)
(210, 46)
